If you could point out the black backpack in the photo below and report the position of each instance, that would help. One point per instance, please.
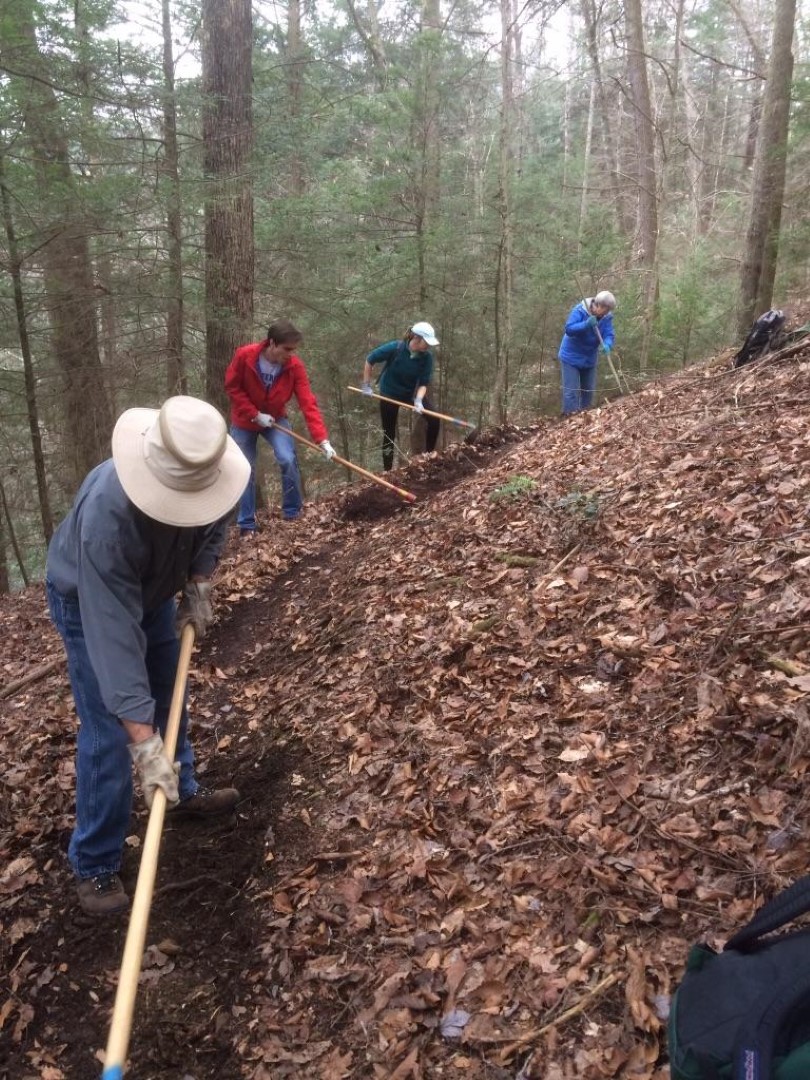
(764, 336)
(745, 1012)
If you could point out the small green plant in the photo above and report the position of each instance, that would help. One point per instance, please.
(580, 504)
(516, 487)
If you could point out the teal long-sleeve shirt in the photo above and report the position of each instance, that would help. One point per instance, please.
(404, 371)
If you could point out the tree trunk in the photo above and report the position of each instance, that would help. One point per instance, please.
(498, 407)
(9, 528)
(768, 186)
(606, 126)
(99, 252)
(65, 258)
(32, 412)
(586, 163)
(176, 377)
(295, 67)
(759, 64)
(426, 124)
(647, 188)
(5, 583)
(371, 38)
(227, 150)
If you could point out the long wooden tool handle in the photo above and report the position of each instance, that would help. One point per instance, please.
(405, 405)
(124, 1008)
(611, 365)
(609, 359)
(355, 468)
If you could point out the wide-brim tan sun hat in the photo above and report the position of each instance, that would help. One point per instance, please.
(178, 464)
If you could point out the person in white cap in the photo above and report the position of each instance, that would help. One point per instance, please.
(146, 524)
(588, 329)
(405, 377)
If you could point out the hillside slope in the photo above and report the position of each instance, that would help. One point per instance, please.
(504, 755)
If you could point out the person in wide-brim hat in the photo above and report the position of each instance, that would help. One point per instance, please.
(146, 524)
(406, 375)
(178, 464)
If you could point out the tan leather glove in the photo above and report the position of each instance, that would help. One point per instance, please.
(154, 769)
(195, 607)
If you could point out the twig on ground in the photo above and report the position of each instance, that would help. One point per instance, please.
(563, 1018)
(11, 688)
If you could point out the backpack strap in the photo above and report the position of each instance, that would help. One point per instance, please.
(754, 1046)
(397, 355)
(784, 908)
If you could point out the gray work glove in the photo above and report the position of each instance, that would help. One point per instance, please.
(263, 419)
(195, 607)
(154, 769)
(418, 406)
(328, 449)
(368, 389)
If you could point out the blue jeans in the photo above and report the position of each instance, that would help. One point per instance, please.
(283, 446)
(578, 385)
(103, 763)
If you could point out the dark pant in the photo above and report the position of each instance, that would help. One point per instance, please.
(388, 415)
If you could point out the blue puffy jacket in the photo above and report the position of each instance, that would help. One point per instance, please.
(580, 343)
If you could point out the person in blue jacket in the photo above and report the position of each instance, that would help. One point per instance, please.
(588, 330)
(406, 376)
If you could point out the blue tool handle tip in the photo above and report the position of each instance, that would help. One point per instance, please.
(114, 1072)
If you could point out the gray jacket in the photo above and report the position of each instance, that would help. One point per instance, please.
(121, 565)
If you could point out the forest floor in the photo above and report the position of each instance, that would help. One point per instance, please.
(504, 754)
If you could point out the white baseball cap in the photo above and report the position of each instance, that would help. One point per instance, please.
(426, 331)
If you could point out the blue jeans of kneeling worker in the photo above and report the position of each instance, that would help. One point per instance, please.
(578, 385)
(103, 762)
(283, 448)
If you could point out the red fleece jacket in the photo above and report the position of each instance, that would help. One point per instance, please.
(244, 386)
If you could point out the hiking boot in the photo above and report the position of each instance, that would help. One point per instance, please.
(208, 802)
(247, 534)
(102, 895)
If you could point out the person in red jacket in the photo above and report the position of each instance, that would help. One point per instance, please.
(260, 380)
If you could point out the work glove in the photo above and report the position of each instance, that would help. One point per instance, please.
(154, 769)
(195, 607)
(592, 320)
(328, 449)
(368, 389)
(606, 348)
(418, 406)
(263, 419)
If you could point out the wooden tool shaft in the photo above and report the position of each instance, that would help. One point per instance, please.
(355, 468)
(405, 405)
(124, 1008)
